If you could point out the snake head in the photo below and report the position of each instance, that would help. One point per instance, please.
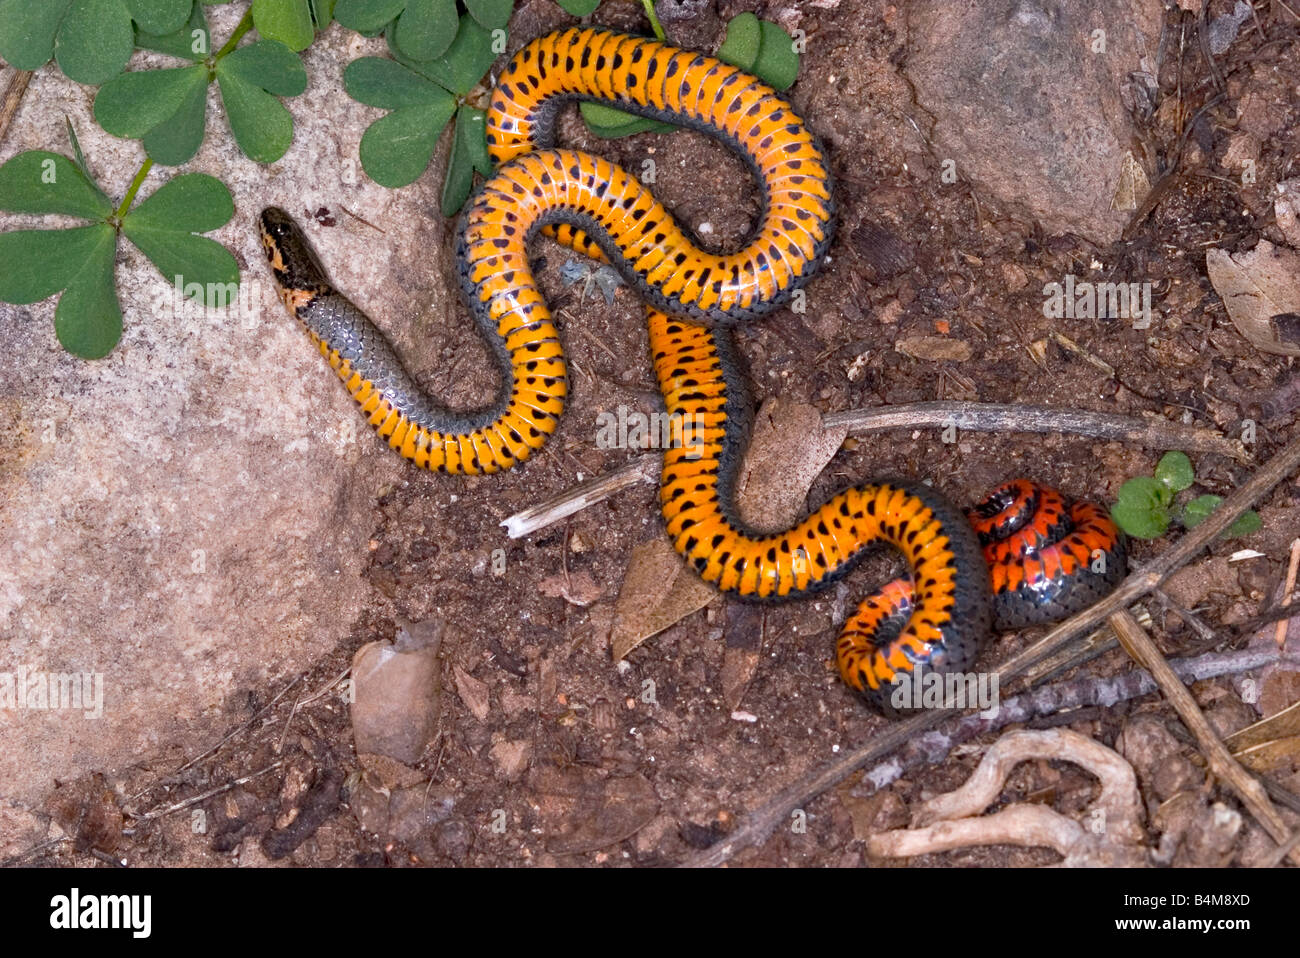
(299, 276)
(292, 259)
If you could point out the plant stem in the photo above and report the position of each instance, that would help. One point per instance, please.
(654, 18)
(245, 24)
(140, 174)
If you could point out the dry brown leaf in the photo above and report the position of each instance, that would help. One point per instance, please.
(1270, 756)
(473, 693)
(1261, 290)
(658, 590)
(1279, 688)
(1270, 743)
(511, 758)
(583, 811)
(1133, 185)
(1284, 724)
(787, 452)
(934, 348)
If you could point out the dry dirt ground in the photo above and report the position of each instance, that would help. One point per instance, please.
(570, 764)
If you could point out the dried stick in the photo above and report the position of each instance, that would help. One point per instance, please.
(203, 796)
(1279, 853)
(954, 819)
(1067, 696)
(1139, 645)
(584, 494)
(13, 96)
(1006, 417)
(976, 417)
(1287, 588)
(760, 823)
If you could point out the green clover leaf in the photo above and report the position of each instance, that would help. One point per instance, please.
(579, 8)
(80, 261)
(610, 123)
(367, 16)
(423, 96)
(1175, 470)
(1142, 509)
(191, 41)
(163, 227)
(322, 12)
(1245, 524)
(91, 40)
(289, 21)
(761, 47)
(160, 16)
(744, 37)
(460, 68)
(468, 153)
(1199, 509)
(421, 29)
(41, 182)
(490, 14)
(251, 80)
(40, 263)
(167, 108)
(397, 147)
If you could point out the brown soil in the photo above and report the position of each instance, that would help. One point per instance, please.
(956, 266)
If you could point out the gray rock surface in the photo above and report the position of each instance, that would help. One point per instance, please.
(188, 517)
(1029, 105)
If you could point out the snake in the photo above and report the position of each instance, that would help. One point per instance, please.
(943, 614)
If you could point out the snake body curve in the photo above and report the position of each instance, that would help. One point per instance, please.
(693, 296)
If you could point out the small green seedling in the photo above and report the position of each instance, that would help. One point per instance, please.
(1146, 505)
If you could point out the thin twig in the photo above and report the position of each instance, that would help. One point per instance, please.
(760, 823)
(1287, 588)
(976, 417)
(1260, 621)
(1282, 851)
(1194, 621)
(33, 851)
(362, 219)
(214, 749)
(584, 494)
(1000, 417)
(1067, 700)
(1203, 37)
(13, 97)
(1140, 646)
(203, 796)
